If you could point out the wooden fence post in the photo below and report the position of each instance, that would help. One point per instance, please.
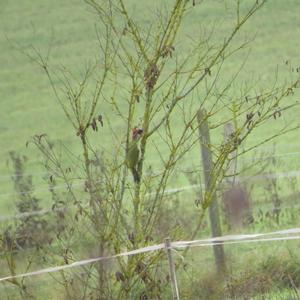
(207, 163)
(172, 271)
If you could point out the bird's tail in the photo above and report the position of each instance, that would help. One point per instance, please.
(136, 176)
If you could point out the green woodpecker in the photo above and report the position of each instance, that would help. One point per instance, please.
(133, 154)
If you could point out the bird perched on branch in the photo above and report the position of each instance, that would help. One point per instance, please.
(133, 154)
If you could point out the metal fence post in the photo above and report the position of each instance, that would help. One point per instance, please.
(172, 269)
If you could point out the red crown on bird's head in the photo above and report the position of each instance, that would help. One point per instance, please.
(136, 133)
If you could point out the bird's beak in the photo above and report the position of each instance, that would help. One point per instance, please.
(136, 134)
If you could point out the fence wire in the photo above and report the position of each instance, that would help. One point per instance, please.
(281, 235)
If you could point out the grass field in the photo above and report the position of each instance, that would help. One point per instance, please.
(29, 107)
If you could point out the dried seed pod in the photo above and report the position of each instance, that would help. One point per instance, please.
(167, 51)
(249, 116)
(100, 120)
(94, 124)
(80, 130)
(151, 75)
(249, 120)
(207, 71)
(277, 114)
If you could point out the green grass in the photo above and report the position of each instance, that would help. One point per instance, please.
(28, 105)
